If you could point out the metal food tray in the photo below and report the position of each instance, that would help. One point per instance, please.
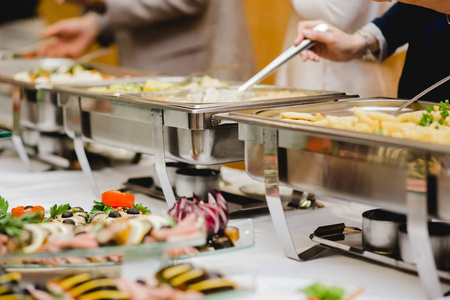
(173, 130)
(402, 175)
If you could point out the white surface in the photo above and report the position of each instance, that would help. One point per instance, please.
(275, 276)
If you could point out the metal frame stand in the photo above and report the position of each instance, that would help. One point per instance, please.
(417, 213)
(79, 147)
(160, 157)
(271, 180)
(17, 131)
(417, 224)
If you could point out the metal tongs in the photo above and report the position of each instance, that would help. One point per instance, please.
(284, 57)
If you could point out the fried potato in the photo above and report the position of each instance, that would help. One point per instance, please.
(298, 116)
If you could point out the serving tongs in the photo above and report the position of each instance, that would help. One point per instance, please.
(281, 59)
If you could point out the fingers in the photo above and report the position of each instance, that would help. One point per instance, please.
(303, 27)
(309, 55)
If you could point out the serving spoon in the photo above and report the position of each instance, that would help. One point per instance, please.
(281, 59)
(407, 103)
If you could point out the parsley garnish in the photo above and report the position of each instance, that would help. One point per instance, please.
(142, 208)
(13, 226)
(57, 210)
(322, 292)
(100, 207)
(4, 205)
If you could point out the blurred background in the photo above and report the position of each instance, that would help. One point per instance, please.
(267, 21)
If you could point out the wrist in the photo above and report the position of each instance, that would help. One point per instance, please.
(369, 45)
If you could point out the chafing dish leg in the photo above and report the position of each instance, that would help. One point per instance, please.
(271, 180)
(84, 163)
(160, 157)
(16, 131)
(417, 224)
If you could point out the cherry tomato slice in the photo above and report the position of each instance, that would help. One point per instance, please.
(21, 210)
(117, 199)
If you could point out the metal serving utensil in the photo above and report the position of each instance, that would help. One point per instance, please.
(281, 59)
(407, 103)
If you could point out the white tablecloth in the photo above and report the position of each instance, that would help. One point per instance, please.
(274, 275)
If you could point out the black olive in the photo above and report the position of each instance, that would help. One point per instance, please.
(166, 227)
(140, 281)
(28, 206)
(114, 214)
(67, 214)
(133, 211)
(80, 232)
(41, 287)
(69, 207)
(69, 221)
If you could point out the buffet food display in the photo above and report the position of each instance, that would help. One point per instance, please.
(182, 281)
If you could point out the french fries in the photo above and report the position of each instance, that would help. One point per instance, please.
(407, 126)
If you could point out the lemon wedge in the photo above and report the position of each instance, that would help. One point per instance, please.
(137, 233)
(37, 238)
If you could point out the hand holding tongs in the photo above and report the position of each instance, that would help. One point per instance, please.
(284, 57)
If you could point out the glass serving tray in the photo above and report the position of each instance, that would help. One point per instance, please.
(246, 240)
(351, 242)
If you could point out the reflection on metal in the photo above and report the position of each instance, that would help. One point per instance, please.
(271, 180)
(417, 224)
(160, 161)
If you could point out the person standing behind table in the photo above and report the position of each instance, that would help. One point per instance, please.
(177, 37)
(365, 78)
(427, 59)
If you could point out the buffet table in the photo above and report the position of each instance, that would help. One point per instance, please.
(272, 273)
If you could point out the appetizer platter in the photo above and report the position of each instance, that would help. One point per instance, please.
(357, 152)
(182, 281)
(115, 228)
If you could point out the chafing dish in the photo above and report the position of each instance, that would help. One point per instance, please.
(171, 129)
(402, 175)
(27, 105)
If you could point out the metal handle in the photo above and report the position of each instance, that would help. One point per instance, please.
(284, 57)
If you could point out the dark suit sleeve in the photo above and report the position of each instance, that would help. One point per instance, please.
(398, 23)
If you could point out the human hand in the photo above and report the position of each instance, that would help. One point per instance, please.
(333, 44)
(73, 35)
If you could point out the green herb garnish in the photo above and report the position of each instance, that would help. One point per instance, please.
(323, 292)
(4, 205)
(57, 210)
(427, 119)
(13, 226)
(142, 208)
(100, 207)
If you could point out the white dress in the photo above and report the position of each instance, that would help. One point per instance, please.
(367, 79)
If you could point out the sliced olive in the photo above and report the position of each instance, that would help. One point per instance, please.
(140, 281)
(133, 211)
(41, 287)
(67, 214)
(69, 221)
(28, 206)
(114, 214)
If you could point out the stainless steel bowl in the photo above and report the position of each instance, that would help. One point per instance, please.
(380, 231)
(440, 244)
(200, 182)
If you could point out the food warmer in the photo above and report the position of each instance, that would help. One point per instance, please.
(25, 105)
(402, 175)
(171, 129)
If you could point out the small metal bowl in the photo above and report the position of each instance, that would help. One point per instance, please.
(440, 244)
(200, 182)
(380, 231)
(171, 168)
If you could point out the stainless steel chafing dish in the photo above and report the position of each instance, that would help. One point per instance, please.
(27, 105)
(166, 129)
(402, 175)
